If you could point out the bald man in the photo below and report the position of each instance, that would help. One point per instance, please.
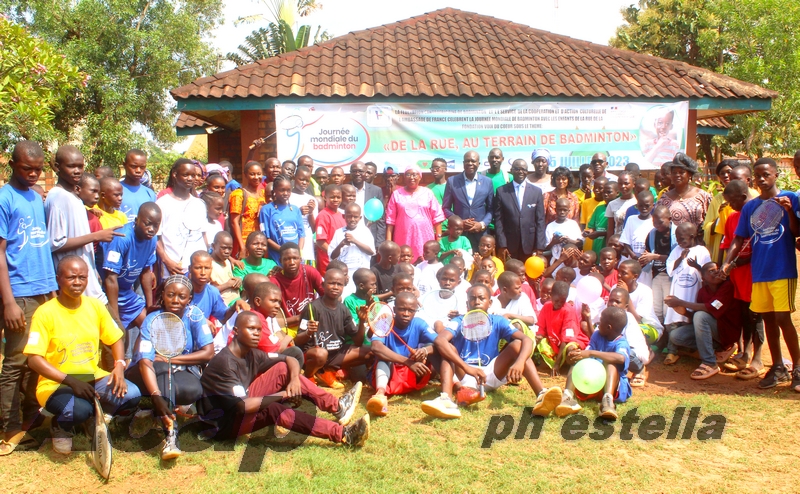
(599, 163)
(498, 176)
(469, 196)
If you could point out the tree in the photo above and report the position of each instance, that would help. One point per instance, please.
(34, 79)
(279, 35)
(134, 51)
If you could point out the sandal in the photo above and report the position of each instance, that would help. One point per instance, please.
(704, 372)
(18, 440)
(639, 380)
(751, 372)
(735, 364)
(724, 355)
(671, 358)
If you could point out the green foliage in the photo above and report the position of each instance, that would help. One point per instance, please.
(134, 51)
(34, 79)
(159, 162)
(752, 40)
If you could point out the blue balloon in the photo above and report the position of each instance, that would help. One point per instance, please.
(373, 209)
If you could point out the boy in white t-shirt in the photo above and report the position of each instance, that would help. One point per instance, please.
(222, 270)
(300, 198)
(686, 280)
(640, 355)
(429, 267)
(510, 303)
(616, 209)
(353, 244)
(562, 230)
(642, 301)
(634, 233)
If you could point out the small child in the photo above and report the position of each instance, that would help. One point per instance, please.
(559, 324)
(429, 267)
(485, 278)
(686, 280)
(385, 269)
(255, 262)
(511, 303)
(215, 209)
(637, 228)
(588, 207)
(641, 354)
(221, 269)
(608, 268)
(640, 185)
(570, 254)
(411, 270)
(489, 265)
(610, 347)
(454, 242)
(89, 194)
(486, 248)
(328, 221)
(614, 243)
(660, 242)
(562, 230)
(568, 277)
(110, 202)
(586, 262)
(366, 285)
(307, 204)
(616, 209)
(598, 223)
(205, 296)
(353, 244)
(348, 287)
(406, 254)
(642, 300)
(463, 283)
(280, 221)
(545, 291)
(517, 267)
(349, 193)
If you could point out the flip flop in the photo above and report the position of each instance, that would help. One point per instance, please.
(735, 364)
(750, 372)
(724, 355)
(18, 440)
(704, 372)
(639, 380)
(671, 359)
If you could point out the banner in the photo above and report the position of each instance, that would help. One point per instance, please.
(400, 134)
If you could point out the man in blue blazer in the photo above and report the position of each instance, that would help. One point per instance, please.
(519, 216)
(470, 196)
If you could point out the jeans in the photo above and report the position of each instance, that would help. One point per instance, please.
(635, 364)
(660, 286)
(16, 379)
(70, 411)
(701, 335)
(186, 385)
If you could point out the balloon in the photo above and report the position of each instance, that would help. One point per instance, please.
(589, 289)
(589, 376)
(373, 209)
(534, 267)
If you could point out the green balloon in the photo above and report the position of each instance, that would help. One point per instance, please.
(589, 376)
(373, 209)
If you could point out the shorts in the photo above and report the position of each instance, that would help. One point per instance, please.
(624, 392)
(336, 357)
(130, 306)
(774, 296)
(492, 382)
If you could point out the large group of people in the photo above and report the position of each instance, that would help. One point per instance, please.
(274, 280)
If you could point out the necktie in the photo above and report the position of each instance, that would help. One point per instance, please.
(520, 193)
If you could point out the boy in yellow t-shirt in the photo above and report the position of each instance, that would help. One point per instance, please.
(110, 202)
(64, 349)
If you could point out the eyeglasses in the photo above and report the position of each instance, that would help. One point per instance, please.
(597, 162)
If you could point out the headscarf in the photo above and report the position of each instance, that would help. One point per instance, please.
(414, 168)
(540, 153)
(179, 279)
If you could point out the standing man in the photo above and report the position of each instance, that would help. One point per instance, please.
(27, 279)
(498, 176)
(134, 194)
(371, 169)
(519, 216)
(364, 192)
(599, 163)
(470, 196)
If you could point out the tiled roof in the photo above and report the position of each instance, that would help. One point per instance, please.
(451, 53)
(186, 121)
(715, 122)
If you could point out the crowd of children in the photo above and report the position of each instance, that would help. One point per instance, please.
(276, 283)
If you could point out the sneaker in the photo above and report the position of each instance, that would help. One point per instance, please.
(378, 405)
(357, 434)
(608, 410)
(466, 396)
(328, 378)
(775, 375)
(347, 404)
(171, 450)
(62, 440)
(568, 405)
(796, 379)
(547, 401)
(442, 407)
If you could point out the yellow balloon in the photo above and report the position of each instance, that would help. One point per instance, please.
(534, 267)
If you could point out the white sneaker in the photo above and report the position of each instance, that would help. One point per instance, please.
(62, 440)
(442, 407)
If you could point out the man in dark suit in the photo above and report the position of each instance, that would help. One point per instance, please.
(519, 216)
(364, 192)
(470, 196)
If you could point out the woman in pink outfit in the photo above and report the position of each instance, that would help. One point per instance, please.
(413, 215)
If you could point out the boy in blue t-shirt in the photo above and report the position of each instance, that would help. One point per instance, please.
(206, 296)
(27, 279)
(398, 370)
(461, 370)
(134, 194)
(127, 260)
(774, 269)
(608, 345)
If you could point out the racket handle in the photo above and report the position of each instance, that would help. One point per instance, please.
(316, 339)
(482, 391)
(740, 250)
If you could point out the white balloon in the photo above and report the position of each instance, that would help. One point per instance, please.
(589, 289)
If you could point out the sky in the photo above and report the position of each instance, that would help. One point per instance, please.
(590, 20)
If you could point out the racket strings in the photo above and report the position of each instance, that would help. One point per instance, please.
(381, 319)
(168, 336)
(476, 326)
(766, 217)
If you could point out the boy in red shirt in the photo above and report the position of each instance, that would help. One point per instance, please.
(299, 284)
(328, 221)
(608, 268)
(559, 324)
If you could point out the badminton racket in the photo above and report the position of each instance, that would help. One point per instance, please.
(764, 220)
(168, 335)
(380, 318)
(476, 327)
(101, 443)
(436, 305)
(290, 123)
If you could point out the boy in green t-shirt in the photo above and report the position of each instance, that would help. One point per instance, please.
(255, 262)
(598, 223)
(454, 241)
(366, 285)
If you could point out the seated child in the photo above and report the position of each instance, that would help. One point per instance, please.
(686, 280)
(349, 288)
(637, 228)
(511, 303)
(486, 248)
(559, 324)
(568, 277)
(429, 267)
(407, 255)
(403, 282)
(586, 262)
(221, 269)
(518, 267)
(454, 242)
(205, 296)
(463, 284)
(436, 308)
(397, 369)
(385, 269)
(489, 265)
(223, 337)
(608, 268)
(251, 389)
(255, 262)
(563, 230)
(410, 270)
(545, 290)
(614, 243)
(324, 324)
(589, 312)
(215, 208)
(609, 346)
(364, 296)
(485, 278)
(466, 365)
(353, 244)
(642, 300)
(640, 354)
(300, 284)
(570, 254)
